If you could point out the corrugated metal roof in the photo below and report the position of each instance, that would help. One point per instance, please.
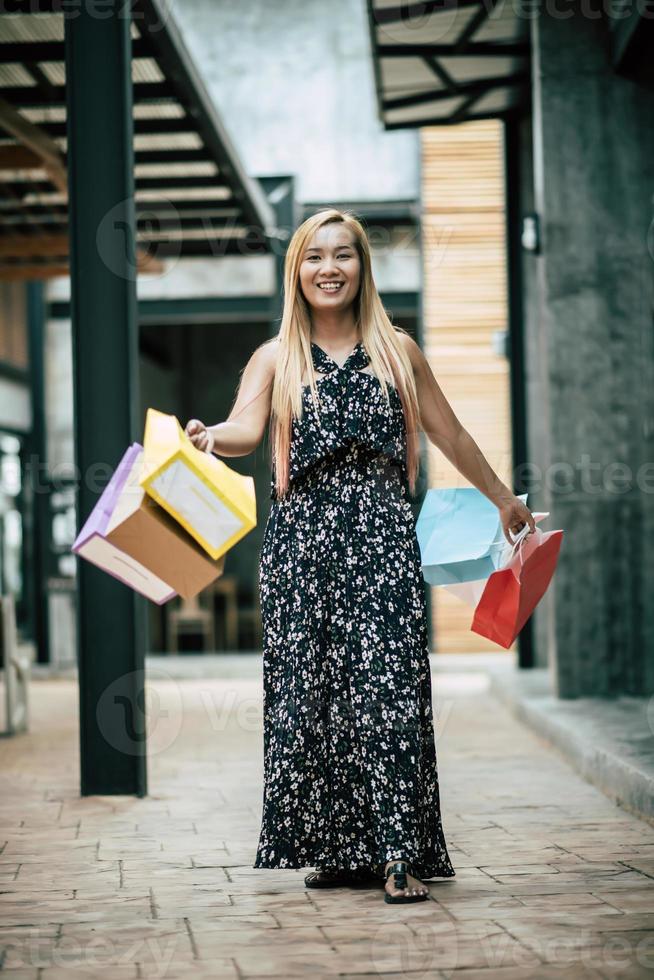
(180, 157)
(439, 62)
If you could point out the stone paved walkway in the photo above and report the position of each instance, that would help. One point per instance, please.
(552, 880)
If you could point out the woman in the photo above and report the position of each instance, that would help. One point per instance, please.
(350, 775)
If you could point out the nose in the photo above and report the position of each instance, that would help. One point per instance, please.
(328, 264)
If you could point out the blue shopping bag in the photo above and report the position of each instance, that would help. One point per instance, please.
(460, 535)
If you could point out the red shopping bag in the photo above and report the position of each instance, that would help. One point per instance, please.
(512, 592)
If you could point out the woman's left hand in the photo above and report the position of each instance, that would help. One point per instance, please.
(514, 514)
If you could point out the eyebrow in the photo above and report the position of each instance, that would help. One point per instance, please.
(316, 248)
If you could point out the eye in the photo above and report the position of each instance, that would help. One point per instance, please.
(343, 255)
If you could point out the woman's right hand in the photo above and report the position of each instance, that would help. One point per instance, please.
(199, 435)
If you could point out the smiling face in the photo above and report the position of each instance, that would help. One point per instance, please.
(330, 270)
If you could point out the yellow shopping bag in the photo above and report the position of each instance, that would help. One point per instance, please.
(131, 537)
(214, 503)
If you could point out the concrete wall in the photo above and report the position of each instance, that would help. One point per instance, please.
(591, 355)
(295, 86)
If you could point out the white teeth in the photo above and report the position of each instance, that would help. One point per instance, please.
(330, 287)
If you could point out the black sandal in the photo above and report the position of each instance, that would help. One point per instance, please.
(334, 878)
(399, 869)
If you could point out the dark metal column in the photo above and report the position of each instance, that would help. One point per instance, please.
(37, 498)
(516, 354)
(422, 481)
(280, 193)
(111, 617)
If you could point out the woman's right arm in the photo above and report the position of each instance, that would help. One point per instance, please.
(246, 423)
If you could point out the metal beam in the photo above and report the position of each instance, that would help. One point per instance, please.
(254, 244)
(376, 67)
(57, 213)
(161, 183)
(38, 531)
(33, 246)
(31, 97)
(475, 22)
(405, 13)
(173, 155)
(461, 112)
(27, 267)
(446, 79)
(477, 87)
(280, 192)
(518, 109)
(55, 244)
(513, 208)
(26, 224)
(218, 214)
(40, 79)
(227, 309)
(68, 7)
(142, 127)
(379, 212)
(21, 240)
(142, 183)
(475, 49)
(32, 137)
(24, 52)
(38, 271)
(202, 309)
(111, 617)
(632, 42)
(17, 157)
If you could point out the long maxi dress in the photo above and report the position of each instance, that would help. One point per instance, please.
(349, 756)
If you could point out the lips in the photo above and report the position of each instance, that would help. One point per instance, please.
(330, 287)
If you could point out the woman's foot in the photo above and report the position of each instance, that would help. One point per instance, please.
(337, 878)
(401, 886)
(325, 878)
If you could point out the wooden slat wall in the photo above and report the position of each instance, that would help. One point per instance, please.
(13, 324)
(464, 302)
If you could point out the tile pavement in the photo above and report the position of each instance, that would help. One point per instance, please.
(553, 881)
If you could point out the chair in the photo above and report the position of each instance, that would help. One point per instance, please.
(190, 618)
(226, 589)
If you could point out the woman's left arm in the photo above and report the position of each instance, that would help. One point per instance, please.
(444, 430)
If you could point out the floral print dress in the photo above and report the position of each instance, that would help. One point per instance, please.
(350, 773)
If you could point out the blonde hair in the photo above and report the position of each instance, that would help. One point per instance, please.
(388, 358)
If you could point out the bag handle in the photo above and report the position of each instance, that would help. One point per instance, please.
(538, 515)
(519, 541)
